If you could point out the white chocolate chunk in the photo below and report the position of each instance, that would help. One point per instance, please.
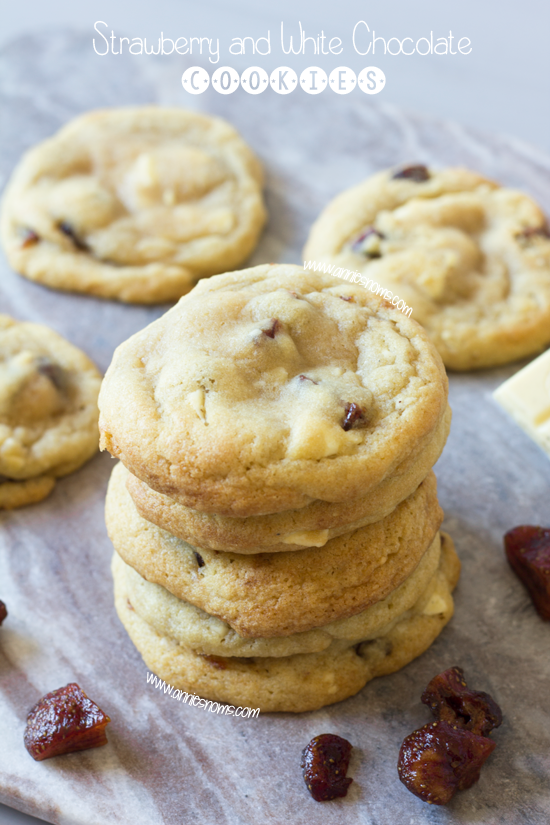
(526, 397)
(436, 604)
(196, 399)
(307, 538)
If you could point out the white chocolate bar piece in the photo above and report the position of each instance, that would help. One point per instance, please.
(526, 397)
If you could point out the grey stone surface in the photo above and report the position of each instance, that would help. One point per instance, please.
(169, 763)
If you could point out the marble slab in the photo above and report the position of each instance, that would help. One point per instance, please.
(169, 763)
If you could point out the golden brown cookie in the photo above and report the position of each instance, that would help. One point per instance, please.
(205, 634)
(301, 682)
(312, 526)
(135, 203)
(48, 410)
(266, 389)
(276, 594)
(470, 257)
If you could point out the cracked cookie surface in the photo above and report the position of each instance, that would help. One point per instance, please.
(135, 204)
(470, 257)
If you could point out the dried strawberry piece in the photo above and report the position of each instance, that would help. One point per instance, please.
(274, 327)
(218, 662)
(418, 173)
(64, 721)
(70, 232)
(3, 611)
(452, 701)
(528, 552)
(325, 763)
(53, 372)
(534, 232)
(307, 378)
(438, 760)
(354, 417)
(368, 243)
(30, 238)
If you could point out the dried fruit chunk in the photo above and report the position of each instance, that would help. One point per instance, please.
(53, 372)
(274, 327)
(218, 662)
(438, 760)
(30, 238)
(64, 721)
(452, 701)
(354, 417)
(325, 762)
(533, 232)
(3, 611)
(418, 173)
(528, 552)
(69, 231)
(368, 243)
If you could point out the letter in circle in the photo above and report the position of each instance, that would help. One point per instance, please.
(226, 80)
(283, 80)
(254, 80)
(342, 80)
(195, 80)
(313, 80)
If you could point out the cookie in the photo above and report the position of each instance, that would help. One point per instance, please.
(470, 257)
(193, 628)
(135, 204)
(48, 410)
(312, 526)
(276, 594)
(301, 682)
(266, 389)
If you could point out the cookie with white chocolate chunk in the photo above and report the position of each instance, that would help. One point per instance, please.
(302, 681)
(206, 634)
(48, 410)
(276, 594)
(310, 526)
(135, 204)
(267, 389)
(470, 257)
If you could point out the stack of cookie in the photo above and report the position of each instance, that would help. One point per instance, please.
(274, 514)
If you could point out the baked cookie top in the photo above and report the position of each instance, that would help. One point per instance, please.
(277, 594)
(48, 408)
(265, 389)
(134, 203)
(470, 257)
